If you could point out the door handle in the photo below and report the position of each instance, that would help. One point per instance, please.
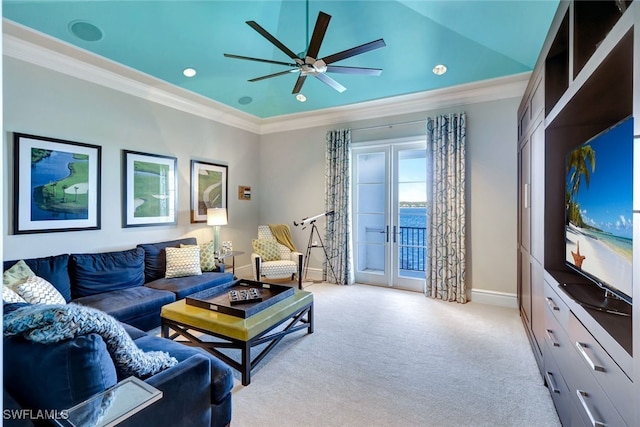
(386, 233)
(395, 234)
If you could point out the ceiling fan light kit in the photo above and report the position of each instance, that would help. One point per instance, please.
(311, 65)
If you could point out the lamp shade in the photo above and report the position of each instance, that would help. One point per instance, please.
(217, 216)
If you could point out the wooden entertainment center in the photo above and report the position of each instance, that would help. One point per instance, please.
(584, 82)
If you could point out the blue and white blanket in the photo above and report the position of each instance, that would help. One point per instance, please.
(52, 323)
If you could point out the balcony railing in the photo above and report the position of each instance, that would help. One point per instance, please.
(413, 248)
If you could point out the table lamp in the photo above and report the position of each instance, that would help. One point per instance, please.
(216, 217)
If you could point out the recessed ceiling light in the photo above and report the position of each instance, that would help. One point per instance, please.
(189, 72)
(439, 69)
(300, 97)
(245, 100)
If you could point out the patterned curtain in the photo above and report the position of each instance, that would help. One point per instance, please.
(337, 199)
(446, 257)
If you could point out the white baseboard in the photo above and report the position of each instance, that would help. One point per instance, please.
(501, 299)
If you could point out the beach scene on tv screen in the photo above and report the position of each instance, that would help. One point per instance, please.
(599, 207)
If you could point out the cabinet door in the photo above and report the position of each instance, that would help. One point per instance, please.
(525, 196)
(525, 287)
(536, 209)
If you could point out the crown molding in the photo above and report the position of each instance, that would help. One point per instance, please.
(27, 45)
(471, 93)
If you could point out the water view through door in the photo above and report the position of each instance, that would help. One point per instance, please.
(389, 211)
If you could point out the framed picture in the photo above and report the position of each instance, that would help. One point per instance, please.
(150, 193)
(208, 189)
(56, 185)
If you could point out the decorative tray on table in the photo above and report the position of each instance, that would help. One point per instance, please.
(240, 298)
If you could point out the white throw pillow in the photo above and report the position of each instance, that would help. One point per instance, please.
(183, 262)
(36, 290)
(9, 295)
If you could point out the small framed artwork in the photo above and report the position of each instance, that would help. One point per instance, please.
(208, 188)
(149, 191)
(56, 185)
(244, 192)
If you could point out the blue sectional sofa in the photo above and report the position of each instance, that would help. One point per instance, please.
(130, 286)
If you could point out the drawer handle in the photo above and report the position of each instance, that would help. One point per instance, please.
(582, 349)
(552, 304)
(550, 336)
(551, 383)
(581, 395)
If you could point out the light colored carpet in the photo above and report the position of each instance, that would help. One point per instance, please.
(385, 357)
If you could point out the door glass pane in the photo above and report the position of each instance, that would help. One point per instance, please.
(371, 168)
(371, 198)
(371, 258)
(412, 212)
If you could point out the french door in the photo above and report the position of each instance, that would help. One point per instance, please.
(389, 214)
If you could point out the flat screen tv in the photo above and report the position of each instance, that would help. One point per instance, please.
(599, 209)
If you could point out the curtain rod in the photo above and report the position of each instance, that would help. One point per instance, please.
(391, 125)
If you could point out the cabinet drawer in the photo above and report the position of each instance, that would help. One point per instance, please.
(555, 304)
(558, 389)
(607, 373)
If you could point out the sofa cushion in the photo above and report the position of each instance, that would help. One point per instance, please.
(208, 258)
(93, 274)
(36, 290)
(183, 262)
(54, 269)
(10, 296)
(16, 275)
(184, 286)
(126, 305)
(155, 258)
(76, 369)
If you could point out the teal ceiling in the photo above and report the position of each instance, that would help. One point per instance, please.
(475, 39)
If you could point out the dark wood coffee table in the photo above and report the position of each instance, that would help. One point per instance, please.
(236, 332)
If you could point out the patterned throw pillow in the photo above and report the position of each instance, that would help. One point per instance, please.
(207, 255)
(16, 275)
(183, 262)
(268, 249)
(36, 290)
(9, 295)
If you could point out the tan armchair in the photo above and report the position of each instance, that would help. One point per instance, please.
(272, 260)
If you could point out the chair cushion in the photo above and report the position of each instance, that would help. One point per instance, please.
(268, 249)
(155, 259)
(182, 262)
(278, 269)
(54, 269)
(93, 274)
(58, 375)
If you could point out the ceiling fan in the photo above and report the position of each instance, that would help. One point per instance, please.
(310, 65)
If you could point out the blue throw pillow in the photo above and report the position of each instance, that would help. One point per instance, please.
(93, 274)
(59, 375)
(54, 269)
(155, 257)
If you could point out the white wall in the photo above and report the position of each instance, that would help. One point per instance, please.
(46, 103)
(285, 169)
(292, 173)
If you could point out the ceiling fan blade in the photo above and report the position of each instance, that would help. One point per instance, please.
(354, 70)
(268, 61)
(281, 73)
(318, 34)
(298, 86)
(377, 44)
(330, 82)
(264, 33)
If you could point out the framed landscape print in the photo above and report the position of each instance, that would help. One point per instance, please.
(56, 185)
(208, 189)
(150, 192)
